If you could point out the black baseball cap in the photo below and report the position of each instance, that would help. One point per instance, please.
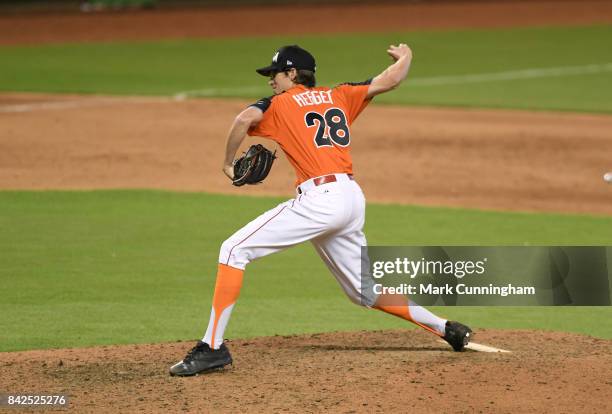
(288, 57)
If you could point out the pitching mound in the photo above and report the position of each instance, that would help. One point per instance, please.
(390, 371)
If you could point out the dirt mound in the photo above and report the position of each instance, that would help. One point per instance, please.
(384, 371)
(507, 160)
(319, 18)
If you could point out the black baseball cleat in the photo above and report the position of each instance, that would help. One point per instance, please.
(202, 359)
(457, 335)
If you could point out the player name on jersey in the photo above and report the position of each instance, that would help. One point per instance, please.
(313, 98)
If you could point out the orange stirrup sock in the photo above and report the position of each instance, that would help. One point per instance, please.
(227, 290)
(400, 306)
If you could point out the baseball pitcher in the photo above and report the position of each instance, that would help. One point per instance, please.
(312, 125)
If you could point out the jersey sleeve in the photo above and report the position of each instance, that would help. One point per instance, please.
(267, 126)
(355, 97)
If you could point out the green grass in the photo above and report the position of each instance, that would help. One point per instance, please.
(225, 67)
(104, 267)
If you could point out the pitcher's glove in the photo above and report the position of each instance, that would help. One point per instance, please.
(253, 167)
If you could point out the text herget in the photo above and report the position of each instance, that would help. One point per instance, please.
(313, 98)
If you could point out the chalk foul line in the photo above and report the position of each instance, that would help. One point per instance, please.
(529, 73)
(512, 75)
(75, 103)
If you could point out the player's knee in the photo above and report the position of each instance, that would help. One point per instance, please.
(360, 300)
(233, 255)
(227, 249)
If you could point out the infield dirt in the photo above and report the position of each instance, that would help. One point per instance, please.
(505, 160)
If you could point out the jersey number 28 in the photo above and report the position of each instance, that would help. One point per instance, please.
(331, 127)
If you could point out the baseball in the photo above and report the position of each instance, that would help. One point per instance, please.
(608, 177)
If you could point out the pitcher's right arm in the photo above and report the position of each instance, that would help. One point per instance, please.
(391, 77)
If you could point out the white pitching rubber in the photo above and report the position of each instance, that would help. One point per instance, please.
(482, 348)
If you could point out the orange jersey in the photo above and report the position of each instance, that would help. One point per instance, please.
(312, 126)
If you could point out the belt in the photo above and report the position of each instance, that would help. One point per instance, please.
(325, 179)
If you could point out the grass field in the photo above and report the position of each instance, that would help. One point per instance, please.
(104, 267)
(225, 67)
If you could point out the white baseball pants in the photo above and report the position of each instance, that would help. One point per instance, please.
(330, 215)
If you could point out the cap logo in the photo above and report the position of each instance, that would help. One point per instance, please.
(275, 57)
(289, 62)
